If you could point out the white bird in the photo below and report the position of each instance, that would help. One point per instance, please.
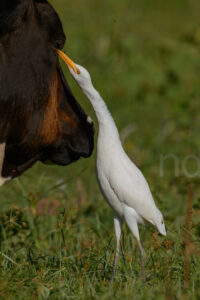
(121, 182)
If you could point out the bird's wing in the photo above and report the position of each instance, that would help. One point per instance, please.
(131, 187)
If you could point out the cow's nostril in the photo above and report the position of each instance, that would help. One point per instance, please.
(89, 120)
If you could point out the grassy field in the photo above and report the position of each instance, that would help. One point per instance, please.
(56, 230)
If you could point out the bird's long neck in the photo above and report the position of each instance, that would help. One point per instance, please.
(107, 125)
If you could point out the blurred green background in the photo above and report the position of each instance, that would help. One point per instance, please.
(57, 239)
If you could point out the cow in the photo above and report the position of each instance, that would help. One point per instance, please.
(40, 119)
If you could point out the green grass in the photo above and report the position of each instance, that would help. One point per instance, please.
(57, 239)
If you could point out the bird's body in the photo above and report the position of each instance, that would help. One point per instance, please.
(121, 182)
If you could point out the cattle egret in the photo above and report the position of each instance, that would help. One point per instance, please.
(121, 182)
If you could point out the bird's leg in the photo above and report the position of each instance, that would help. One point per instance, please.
(143, 260)
(131, 220)
(115, 261)
(117, 226)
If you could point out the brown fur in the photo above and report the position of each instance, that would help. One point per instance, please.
(50, 127)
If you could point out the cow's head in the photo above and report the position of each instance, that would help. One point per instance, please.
(40, 118)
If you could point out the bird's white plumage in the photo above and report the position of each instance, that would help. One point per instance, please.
(121, 182)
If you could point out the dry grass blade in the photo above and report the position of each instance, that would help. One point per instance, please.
(8, 258)
(187, 235)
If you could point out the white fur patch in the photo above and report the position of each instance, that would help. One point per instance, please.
(89, 120)
(3, 180)
(2, 155)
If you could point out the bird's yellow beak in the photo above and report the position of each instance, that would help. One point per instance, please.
(68, 61)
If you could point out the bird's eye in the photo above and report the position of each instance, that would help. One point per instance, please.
(162, 222)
